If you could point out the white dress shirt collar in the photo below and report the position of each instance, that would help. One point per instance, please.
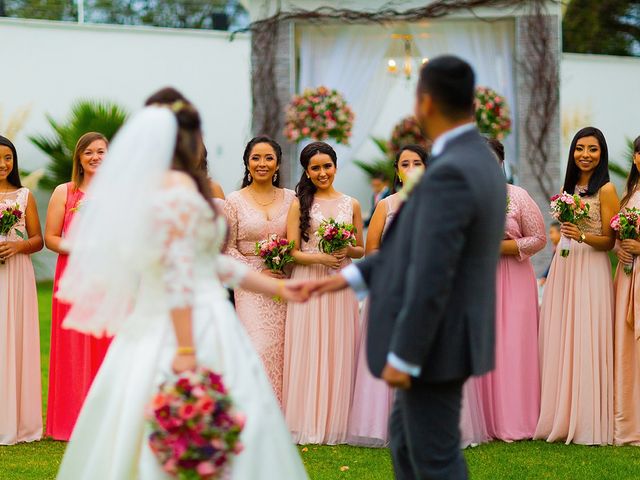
(446, 137)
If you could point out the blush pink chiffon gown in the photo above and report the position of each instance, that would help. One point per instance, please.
(576, 344)
(20, 390)
(321, 342)
(511, 393)
(262, 317)
(626, 351)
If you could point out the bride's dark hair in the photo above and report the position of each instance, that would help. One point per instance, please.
(305, 190)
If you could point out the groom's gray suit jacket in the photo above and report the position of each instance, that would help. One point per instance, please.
(433, 283)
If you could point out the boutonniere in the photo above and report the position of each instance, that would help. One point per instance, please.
(413, 178)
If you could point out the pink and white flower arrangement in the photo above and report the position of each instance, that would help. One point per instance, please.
(492, 113)
(627, 225)
(407, 131)
(276, 252)
(568, 208)
(318, 114)
(9, 218)
(334, 236)
(195, 431)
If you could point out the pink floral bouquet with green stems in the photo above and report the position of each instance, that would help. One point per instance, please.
(276, 252)
(492, 113)
(334, 236)
(627, 226)
(568, 208)
(9, 218)
(318, 114)
(407, 131)
(195, 432)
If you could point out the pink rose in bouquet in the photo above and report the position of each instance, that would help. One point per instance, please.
(276, 252)
(627, 226)
(195, 431)
(334, 236)
(568, 208)
(9, 218)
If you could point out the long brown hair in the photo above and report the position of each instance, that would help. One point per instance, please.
(634, 175)
(77, 172)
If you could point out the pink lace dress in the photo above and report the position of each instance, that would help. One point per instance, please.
(20, 392)
(321, 341)
(510, 394)
(262, 316)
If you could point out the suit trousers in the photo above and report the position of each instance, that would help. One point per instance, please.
(425, 432)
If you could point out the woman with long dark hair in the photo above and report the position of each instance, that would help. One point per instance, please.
(157, 283)
(372, 398)
(321, 337)
(75, 358)
(626, 328)
(576, 318)
(254, 213)
(20, 392)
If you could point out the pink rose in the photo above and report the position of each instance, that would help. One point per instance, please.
(205, 469)
(187, 411)
(240, 419)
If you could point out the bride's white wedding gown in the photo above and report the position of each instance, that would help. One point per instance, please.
(184, 268)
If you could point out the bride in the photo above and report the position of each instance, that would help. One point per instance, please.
(145, 265)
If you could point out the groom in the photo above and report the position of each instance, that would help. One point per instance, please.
(432, 284)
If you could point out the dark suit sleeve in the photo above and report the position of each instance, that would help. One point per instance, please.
(367, 266)
(443, 213)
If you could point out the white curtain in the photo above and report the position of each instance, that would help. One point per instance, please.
(352, 59)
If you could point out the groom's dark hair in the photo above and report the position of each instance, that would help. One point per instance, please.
(451, 83)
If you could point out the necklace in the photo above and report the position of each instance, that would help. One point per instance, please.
(260, 203)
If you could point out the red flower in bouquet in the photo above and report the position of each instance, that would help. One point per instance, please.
(568, 208)
(334, 236)
(318, 114)
(195, 431)
(492, 113)
(9, 218)
(276, 252)
(627, 225)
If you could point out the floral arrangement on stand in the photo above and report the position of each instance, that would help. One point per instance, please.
(407, 131)
(195, 431)
(318, 114)
(492, 113)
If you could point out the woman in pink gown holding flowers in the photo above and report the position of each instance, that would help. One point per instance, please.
(576, 317)
(254, 213)
(511, 393)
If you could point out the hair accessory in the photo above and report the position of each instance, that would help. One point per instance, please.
(177, 106)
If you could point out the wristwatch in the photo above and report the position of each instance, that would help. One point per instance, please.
(582, 237)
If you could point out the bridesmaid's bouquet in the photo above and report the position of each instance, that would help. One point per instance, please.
(9, 218)
(195, 431)
(276, 252)
(335, 236)
(627, 225)
(568, 208)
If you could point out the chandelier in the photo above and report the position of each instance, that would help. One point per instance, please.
(403, 56)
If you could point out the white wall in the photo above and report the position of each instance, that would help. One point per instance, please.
(48, 65)
(604, 92)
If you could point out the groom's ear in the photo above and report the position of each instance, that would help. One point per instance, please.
(424, 107)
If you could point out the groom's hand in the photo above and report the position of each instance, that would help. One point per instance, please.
(395, 378)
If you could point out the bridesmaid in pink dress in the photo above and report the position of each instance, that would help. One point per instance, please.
(511, 393)
(372, 398)
(576, 319)
(254, 213)
(321, 336)
(20, 390)
(626, 329)
(75, 357)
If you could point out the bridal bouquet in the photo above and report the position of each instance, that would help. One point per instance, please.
(195, 431)
(568, 208)
(627, 225)
(335, 236)
(9, 218)
(276, 252)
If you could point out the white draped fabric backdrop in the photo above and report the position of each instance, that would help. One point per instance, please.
(352, 59)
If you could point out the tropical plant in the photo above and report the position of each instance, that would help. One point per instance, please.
(86, 116)
(622, 170)
(382, 165)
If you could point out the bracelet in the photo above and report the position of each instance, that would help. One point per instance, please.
(281, 287)
(186, 351)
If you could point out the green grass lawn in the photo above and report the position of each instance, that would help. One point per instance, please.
(497, 460)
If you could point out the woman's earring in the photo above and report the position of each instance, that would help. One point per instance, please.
(81, 170)
(275, 177)
(249, 177)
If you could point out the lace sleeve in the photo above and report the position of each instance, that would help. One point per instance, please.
(176, 224)
(231, 271)
(231, 213)
(532, 226)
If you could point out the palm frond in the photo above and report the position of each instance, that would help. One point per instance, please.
(622, 170)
